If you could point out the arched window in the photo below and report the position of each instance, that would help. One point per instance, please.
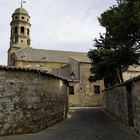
(16, 30)
(16, 17)
(28, 41)
(22, 30)
(16, 39)
(28, 31)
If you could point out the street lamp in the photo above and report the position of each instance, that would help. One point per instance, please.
(72, 75)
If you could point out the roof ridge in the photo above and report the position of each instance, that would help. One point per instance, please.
(53, 50)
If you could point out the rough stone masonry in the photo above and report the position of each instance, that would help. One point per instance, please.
(123, 101)
(30, 100)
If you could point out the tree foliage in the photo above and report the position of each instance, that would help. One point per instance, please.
(119, 46)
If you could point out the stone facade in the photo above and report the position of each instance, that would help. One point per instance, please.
(29, 102)
(59, 63)
(123, 101)
(46, 66)
(84, 93)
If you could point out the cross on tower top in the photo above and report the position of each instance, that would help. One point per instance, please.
(22, 1)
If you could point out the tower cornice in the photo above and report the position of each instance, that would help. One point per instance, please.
(20, 22)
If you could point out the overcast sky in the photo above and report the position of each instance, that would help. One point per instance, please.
(56, 24)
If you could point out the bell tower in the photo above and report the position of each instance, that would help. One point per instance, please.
(20, 32)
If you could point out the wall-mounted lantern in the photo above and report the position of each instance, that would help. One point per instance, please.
(72, 75)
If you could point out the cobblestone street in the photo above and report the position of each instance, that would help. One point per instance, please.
(83, 124)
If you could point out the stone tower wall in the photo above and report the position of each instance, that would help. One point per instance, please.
(20, 33)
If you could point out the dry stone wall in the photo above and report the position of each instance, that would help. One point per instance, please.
(123, 101)
(30, 100)
(136, 105)
(115, 102)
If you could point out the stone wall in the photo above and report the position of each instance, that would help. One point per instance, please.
(30, 100)
(123, 102)
(115, 102)
(136, 104)
(84, 94)
(64, 72)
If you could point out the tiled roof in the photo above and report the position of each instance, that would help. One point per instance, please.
(30, 54)
(83, 59)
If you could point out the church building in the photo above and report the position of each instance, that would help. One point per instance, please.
(72, 66)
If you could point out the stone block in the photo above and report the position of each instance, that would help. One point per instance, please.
(2, 88)
(6, 126)
(36, 118)
(2, 132)
(29, 106)
(19, 130)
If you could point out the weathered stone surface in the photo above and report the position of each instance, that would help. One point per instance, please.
(123, 105)
(84, 94)
(30, 102)
(136, 105)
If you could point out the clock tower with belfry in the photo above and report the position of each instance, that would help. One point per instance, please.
(20, 32)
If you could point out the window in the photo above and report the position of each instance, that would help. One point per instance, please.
(16, 39)
(16, 17)
(22, 17)
(44, 57)
(16, 30)
(71, 90)
(28, 42)
(22, 30)
(96, 89)
(28, 32)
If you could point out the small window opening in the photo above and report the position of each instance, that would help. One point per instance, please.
(28, 42)
(28, 32)
(16, 30)
(22, 30)
(71, 90)
(22, 17)
(43, 57)
(16, 39)
(23, 56)
(97, 89)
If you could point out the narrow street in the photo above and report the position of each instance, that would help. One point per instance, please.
(83, 124)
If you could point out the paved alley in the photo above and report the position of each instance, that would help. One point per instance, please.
(83, 124)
